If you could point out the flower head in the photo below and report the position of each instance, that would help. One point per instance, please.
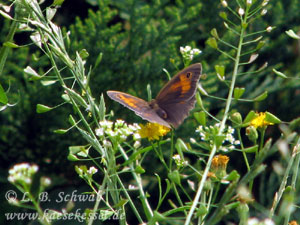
(219, 165)
(22, 173)
(180, 162)
(153, 131)
(260, 121)
(188, 53)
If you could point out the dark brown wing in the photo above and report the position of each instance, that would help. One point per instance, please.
(182, 86)
(139, 106)
(177, 97)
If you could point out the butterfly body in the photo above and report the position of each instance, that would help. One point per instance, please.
(172, 104)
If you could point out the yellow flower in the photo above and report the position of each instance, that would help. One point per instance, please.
(219, 162)
(259, 121)
(294, 222)
(153, 131)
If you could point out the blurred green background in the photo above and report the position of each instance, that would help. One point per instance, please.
(138, 39)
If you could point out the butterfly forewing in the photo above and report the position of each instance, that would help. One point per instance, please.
(138, 105)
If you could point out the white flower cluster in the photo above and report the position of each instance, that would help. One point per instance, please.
(189, 53)
(118, 131)
(85, 173)
(22, 172)
(255, 221)
(209, 134)
(180, 162)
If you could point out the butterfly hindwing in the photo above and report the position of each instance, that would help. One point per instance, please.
(138, 105)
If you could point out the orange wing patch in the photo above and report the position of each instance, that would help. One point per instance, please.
(184, 84)
(129, 101)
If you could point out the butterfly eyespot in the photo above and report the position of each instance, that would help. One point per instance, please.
(188, 74)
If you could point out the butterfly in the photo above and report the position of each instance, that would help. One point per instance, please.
(172, 104)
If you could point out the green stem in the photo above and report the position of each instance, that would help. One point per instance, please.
(5, 50)
(242, 148)
(222, 126)
(137, 178)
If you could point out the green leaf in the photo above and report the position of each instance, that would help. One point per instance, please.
(180, 146)
(272, 118)
(84, 54)
(139, 169)
(3, 96)
(102, 108)
(260, 45)
(202, 210)
(223, 15)
(77, 98)
(61, 131)
(72, 120)
(48, 82)
(72, 157)
(98, 60)
(292, 34)
(219, 139)
(220, 70)
(11, 44)
(57, 2)
(214, 33)
(174, 176)
(31, 72)
(50, 13)
(43, 108)
(251, 149)
(280, 74)
(5, 15)
(251, 115)
(200, 117)
(199, 100)
(234, 175)
(212, 42)
(261, 97)
(238, 92)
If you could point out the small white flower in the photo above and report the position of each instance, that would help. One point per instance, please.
(34, 168)
(46, 181)
(237, 142)
(99, 132)
(241, 11)
(119, 123)
(224, 4)
(27, 180)
(249, 2)
(264, 12)
(11, 179)
(269, 29)
(106, 144)
(268, 222)
(137, 144)
(136, 136)
(111, 133)
(196, 51)
(192, 140)
(88, 108)
(176, 157)
(181, 49)
(187, 48)
(230, 130)
(265, 2)
(92, 170)
(132, 187)
(106, 124)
